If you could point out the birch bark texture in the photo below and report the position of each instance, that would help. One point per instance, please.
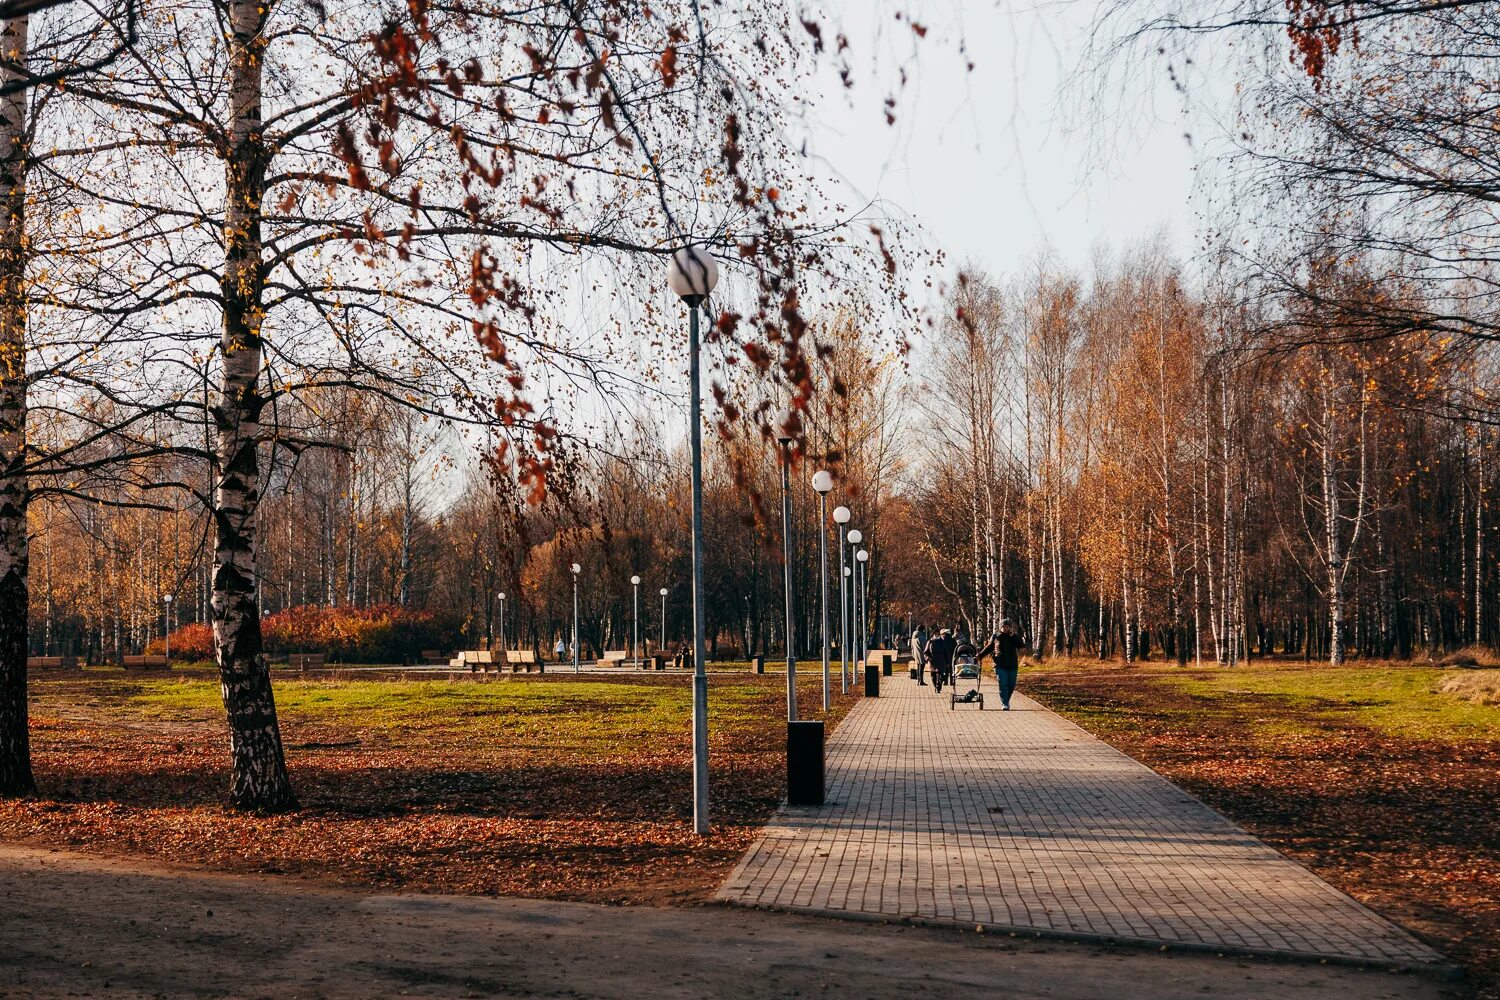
(15, 750)
(258, 777)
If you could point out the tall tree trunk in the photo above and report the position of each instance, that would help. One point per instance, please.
(1479, 567)
(976, 527)
(259, 778)
(1165, 454)
(1197, 519)
(1002, 559)
(1127, 636)
(996, 598)
(351, 551)
(408, 516)
(1332, 537)
(1340, 552)
(15, 746)
(1214, 616)
(1464, 589)
(50, 603)
(1230, 586)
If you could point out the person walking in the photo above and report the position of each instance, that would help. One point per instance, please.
(919, 653)
(940, 654)
(1004, 646)
(560, 650)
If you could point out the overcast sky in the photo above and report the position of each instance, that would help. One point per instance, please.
(997, 162)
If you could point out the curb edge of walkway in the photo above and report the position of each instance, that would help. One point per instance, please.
(1445, 971)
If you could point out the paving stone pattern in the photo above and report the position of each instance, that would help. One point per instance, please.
(1022, 820)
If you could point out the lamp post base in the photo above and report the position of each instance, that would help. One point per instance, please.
(700, 754)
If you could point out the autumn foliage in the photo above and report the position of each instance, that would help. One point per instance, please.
(383, 633)
(192, 643)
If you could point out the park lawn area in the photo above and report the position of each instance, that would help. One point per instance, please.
(537, 786)
(1373, 776)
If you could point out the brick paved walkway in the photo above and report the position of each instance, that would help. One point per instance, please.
(1022, 820)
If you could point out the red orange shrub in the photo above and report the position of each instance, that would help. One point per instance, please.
(189, 642)
(384, 633)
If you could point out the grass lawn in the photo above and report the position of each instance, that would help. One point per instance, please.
(1374, 776)
(556, 787)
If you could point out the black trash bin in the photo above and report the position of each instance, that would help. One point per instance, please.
(804, 763)
(757, 664)
(872, 680)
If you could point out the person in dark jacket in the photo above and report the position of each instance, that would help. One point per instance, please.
(940, 649)
(1005, 646)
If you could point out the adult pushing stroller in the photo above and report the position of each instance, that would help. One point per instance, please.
(966, 675)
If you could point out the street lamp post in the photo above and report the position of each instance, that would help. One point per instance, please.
(846, 581)
(500, 631)
(692, 276)
(841, 517)
(864, 601)
(635, 620)
(855, 537)
(166, 600)
(823, 482)
(576, 570)
(784, 436)
(663, 646)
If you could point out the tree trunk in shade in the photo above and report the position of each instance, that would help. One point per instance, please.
(15, 747)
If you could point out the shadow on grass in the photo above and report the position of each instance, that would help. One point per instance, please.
(746, 788)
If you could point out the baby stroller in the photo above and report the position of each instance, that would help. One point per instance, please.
(965, 673)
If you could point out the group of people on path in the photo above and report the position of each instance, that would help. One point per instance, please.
(941, 651)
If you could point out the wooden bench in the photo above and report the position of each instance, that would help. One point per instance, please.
(143, 662)
(485, 660)
(307, 661)
(434, 656)
(51, 662)
(476, 660)
(518, 658)
(882, 658)
(613, 658)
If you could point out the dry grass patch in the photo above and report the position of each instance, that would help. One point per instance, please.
(1473, 658)
(1482, 687)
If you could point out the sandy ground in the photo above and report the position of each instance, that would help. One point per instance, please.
(73, 925)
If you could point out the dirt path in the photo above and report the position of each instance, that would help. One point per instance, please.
(71, 925)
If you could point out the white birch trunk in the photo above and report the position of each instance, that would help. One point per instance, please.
(1169, 527)
(15, 747)
(259, 779)
(1479, 566)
